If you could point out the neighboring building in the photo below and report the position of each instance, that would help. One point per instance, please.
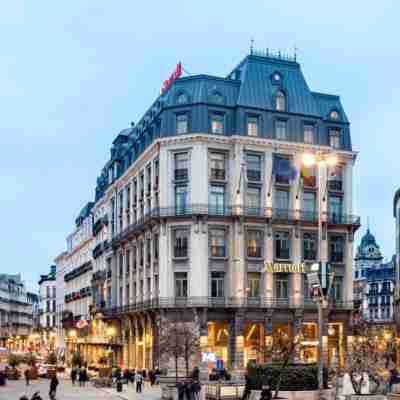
(204, 191)
(16, 312)
(368, 255)
(47, 308)
(396, 215)
(33, 299)
(61, 267)
(47, 294)
(374, 282)
(77, 281)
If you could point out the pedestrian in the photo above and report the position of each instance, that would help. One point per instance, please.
(133, 376)
(81, 377)
(266, 393)
(392, 378)
(152, 377)
(139, 382)
(73, 376)
(181, 390)
(53, 387)
(85, 376)
(247, 390)
(189, 390)
(26, 374)
(196, 389)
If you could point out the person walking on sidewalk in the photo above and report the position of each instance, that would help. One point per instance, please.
(139, 382)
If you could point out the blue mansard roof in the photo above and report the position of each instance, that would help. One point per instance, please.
(250, 89)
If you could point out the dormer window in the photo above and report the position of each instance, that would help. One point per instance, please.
(182, 98)
(334, 115)
(276, 77)
(217, 98)
(280, 101)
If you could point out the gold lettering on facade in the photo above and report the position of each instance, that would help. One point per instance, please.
(276, 268)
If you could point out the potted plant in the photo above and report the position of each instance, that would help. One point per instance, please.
(104, 371)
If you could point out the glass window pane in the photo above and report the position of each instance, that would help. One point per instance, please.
(217, 124)
(181, 124)
(280, 130)
(252, 126)
(309, 134)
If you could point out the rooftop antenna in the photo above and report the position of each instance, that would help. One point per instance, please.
(251, 45)
(295, 52)
(368, 223)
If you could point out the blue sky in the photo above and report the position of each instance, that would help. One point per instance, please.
(72, 74)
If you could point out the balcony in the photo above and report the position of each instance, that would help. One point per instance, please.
(98, 277)
(181, 174)
(253, 175)
(343, 219)
(100, 248)
(309, 217)
(223, 302)
(282, 180)
(180, 252)
(309, 255)
(283, 215)
(336, 257)
(217, 174)
(335, 185)
(283, 254)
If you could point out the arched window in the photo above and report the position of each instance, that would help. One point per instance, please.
(182, 98)
(280, 101)
(334, 115)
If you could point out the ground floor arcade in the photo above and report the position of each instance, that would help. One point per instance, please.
(227, 338)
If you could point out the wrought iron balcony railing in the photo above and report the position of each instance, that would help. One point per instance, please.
(222, 302)
(217, 174)
(276, 215)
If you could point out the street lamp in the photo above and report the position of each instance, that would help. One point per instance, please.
(321, 160)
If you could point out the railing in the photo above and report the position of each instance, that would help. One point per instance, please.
(336, 257)
(180, 252)
(253, 175)
(310, 255)
(217, 174)
(335, 185)
(181, 174)
(277, 215)
(223, 302)
(100, 248)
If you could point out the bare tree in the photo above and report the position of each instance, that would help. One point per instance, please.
(178, 340)
(191, 343)
(370, 355)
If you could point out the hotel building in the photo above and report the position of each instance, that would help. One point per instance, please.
(212, 183)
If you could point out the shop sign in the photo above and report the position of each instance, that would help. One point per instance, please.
(175, 75)
(287, 268)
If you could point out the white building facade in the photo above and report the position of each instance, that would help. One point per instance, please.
(209, 187)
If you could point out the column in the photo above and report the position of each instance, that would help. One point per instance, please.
(155, 337)
(203, 332)
(124, 296)
(199, 270)
(145, 267)
(237, 343)
(268, 338)
(165, 262)
(237, 272)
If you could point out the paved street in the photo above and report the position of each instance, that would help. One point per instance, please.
(14, 390)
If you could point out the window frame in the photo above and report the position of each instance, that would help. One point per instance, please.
(181, 230)
(335, 132)
(259, 243)
(220, 116)
(280, 122)
(256, 123)
(223, 231)
(280, 95)
(177, 123)
(289, 239)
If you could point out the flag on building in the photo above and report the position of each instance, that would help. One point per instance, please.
(283, 168)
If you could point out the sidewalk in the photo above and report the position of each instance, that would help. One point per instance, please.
(129, 392)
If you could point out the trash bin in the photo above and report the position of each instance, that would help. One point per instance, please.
(119, 385)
